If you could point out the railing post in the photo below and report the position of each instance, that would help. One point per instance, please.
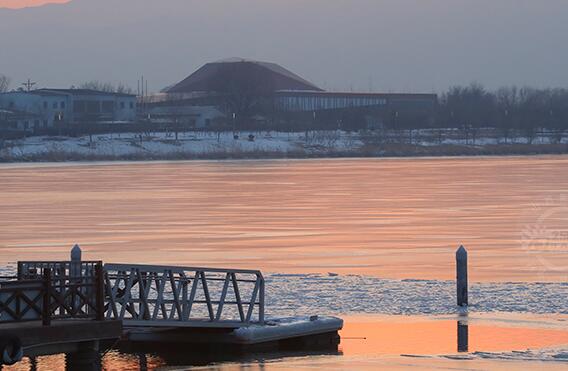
(46, 308)
(75, 277)
(100, 291)
(261, 300)
(461, 276)
(75, 270)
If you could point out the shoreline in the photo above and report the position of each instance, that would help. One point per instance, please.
(378, 152)
(160, 146)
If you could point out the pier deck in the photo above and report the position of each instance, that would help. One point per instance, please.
(63, 336)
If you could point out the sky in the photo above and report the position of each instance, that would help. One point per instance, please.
(16, 4)
(350, 45)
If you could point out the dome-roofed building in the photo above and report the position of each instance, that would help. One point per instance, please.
(242, 74)
(246, 92)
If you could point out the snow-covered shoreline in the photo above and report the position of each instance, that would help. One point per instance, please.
(166, 146)
(212, 145)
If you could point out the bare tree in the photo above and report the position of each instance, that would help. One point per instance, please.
(97, 85)
(123, 89)
(4, 83)
(242, 95)
(106, 87)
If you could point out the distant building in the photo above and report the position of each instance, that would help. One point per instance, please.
(245, 88)
(48, 108)
(17, 121)
(197, 117)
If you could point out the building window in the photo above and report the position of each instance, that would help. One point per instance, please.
(79, 106)
(11, 105)
(54, 105)
(122, 105)
(131, 105)
(108, 106)
(62, 105)
(93, 106)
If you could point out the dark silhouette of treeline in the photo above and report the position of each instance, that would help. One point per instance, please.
(510, 111)
(523, 111)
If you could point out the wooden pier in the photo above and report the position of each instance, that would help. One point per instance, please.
(54, 310)
(72, 306)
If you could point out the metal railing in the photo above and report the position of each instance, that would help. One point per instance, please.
(139, 295)
(48, 291)
(22, 301)
(144, 295)
(70, 269)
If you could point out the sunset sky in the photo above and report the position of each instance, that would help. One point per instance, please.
(349, 45)
(15, 4)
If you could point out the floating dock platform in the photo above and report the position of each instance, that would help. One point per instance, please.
(72, 306)
(305, 332)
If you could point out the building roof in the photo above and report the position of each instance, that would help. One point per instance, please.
(357, 94)
(49, 91)
(242, 74)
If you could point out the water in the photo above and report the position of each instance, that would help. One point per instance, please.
(343, 236)
(389, 218)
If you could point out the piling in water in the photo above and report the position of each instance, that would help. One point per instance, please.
(461, 270)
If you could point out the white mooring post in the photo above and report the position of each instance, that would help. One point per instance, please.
(461, 270)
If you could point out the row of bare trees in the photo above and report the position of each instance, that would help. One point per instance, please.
(508, 109)
(106, 87)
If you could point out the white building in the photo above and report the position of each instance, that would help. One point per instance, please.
(47, 108)
(198, 117)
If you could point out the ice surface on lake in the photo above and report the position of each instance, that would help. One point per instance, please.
(293, 294)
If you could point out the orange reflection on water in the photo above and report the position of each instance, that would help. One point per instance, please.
(371, 342)
(400, 335)
(130, 362)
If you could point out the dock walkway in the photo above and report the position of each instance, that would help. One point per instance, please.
(70, 306)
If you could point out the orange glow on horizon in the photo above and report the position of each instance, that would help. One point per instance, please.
(17, 4)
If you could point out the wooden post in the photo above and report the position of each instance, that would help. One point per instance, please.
(261, 301)
(75, 262)
(100, 293)
(75, 276)
(461, 270)
(46, 307)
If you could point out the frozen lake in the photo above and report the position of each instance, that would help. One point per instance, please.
(388, 218)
